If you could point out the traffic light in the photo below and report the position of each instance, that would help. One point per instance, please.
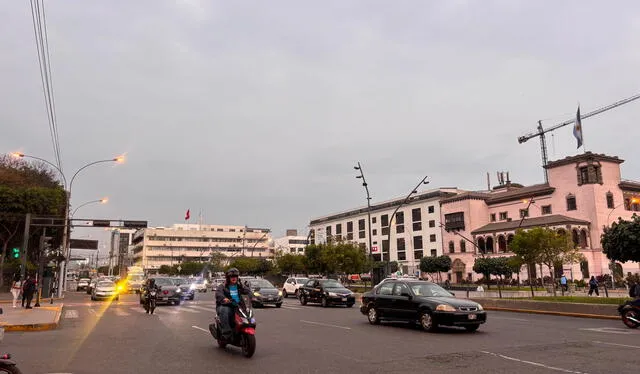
(16, 253)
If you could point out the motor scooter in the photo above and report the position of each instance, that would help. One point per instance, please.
(630, 313)
(6, 364)
(243, 329)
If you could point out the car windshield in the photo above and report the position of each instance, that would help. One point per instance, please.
(429, 289)
(330, 283)
(164, 282)
(260, 283)
(302, 280)
(105, 284)
(199, 281)
(182, 282)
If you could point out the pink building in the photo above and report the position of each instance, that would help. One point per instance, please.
(584, 194)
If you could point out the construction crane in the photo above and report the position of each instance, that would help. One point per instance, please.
(542, 131)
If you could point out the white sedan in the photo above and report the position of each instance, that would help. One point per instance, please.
(105, 289)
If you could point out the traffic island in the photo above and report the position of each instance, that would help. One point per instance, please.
(37, 319)
(567, 309)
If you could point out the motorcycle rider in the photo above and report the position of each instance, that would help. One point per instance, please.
(150, 285)
(228, 294)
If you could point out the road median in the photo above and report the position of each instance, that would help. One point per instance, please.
(580, 310)
(37, 319)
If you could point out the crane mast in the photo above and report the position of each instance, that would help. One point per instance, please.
(542, 131)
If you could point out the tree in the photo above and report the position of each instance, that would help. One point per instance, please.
(621, 241)
(165, 269)
(545, 246)
(190, 268)
(289, 263)
(497, 266)
(245, 265)
(217, 261)
(437, 265)
(335, 257)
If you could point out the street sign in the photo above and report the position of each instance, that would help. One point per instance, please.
(179, 268)
(375, 249)
(83, 244)
(101, 223)
(135, 224)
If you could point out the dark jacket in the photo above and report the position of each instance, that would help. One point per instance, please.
(29, 287)
(223, 292)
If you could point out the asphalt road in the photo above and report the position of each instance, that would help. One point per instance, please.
(98, 337)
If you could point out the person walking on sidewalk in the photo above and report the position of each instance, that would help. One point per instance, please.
(563, 283)
(29, 289)
(593, 286)
(16, 288)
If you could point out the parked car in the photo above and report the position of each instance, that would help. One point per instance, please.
(105, 289)
(169, 292)
(187, 288)
(83, 283)
(420, 302)
(264, 293)
(326, 292)
(292, 285)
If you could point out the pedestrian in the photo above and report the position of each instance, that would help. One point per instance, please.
(28, 290)
(16, 289)
(593, 286)
(563, 283)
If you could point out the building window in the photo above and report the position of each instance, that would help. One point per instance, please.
(384, 220)
(431, 209)
(524, 213)
(432, 223)
(417, 226)
(610, 202)
(374, 219)
(416, 214)
(546, 209)
(399, 229)
(338, 229)
(385, 230)
(589, 174)
(452, 247)
(571, 203)
(583, 238)
(434, 253)
(402, 256)
(338, 237)
(432, 238)
(399, 218)
(349, 236)
(349, 226)
(502, 243)
(492, 217)
(454, 221)
(328, 231)
(362, 235)
(504, 216)
(400, 244)
(417, 255)
(463, 246)
(361, 225)
(417, 242)
(375, 232)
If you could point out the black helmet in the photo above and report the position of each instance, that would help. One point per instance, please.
(152, 282)
(233, 272)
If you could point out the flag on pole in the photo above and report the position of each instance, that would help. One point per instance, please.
(187, 215)
(577, 128)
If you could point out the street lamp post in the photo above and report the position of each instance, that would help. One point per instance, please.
(104, 200)
(406, 199)
(258, 241)
(65, 233)
(366, 188)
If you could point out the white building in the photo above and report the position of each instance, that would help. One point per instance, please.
(416, 233)
(154, 247)
(291, 243)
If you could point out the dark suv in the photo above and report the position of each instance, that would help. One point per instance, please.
(169, 293)
(326, 292)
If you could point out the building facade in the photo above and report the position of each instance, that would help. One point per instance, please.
(291, 243)
(119, 253)
(583, 195)
(154, 247)
(413, 234)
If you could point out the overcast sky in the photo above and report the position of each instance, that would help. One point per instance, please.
(256, 111)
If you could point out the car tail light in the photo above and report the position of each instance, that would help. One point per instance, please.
(165, 292)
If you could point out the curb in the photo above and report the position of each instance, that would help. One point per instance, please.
(548, 312)
(37, 326)
(42, 300)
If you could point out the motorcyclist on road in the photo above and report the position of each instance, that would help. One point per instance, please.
(146, 291)
(228, 295)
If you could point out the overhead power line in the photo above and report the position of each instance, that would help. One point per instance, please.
(42, 46)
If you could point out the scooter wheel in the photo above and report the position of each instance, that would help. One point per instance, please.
(248, 345)
(11, 369)
(222, 343)
(628, 322)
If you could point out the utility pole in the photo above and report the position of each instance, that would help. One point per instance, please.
(25, 245)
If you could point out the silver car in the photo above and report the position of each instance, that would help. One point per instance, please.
(105, 289)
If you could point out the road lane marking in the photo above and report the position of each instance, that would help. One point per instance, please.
(609, 330)
(290, 307)
(510, 319)
(533, 363)
(120, 312)
(618, 345)
(189, 310)
(201, 329)
(325, 324)
(92, 311)
(71, 314)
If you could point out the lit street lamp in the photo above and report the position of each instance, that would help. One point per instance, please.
(104, 200)
(65, 233)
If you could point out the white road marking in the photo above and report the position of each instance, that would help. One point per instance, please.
(71, 314)
(510, 319)
(139, 310)
(120, 312)
(609, 330)
(201, 329)
(325, 324)
(290, 307)
(93, 311)
(202, 308)
(617, 345)
(188, 310)
(533, 363)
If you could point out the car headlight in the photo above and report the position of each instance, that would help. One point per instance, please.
(332, 294)
(256, 294)
(445, 308)
(480, 307)
(279, 293)
(192, 287)
(178, 290)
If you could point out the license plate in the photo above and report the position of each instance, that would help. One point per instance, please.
(344, 299)
(473, 316)
(165, 298)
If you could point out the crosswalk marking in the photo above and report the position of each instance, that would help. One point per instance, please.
(120, 313)
(71, 314)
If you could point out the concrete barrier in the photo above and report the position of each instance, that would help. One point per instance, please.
(601, 311)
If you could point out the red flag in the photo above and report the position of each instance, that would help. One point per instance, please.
(188, 215)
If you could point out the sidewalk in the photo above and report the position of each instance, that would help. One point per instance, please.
(7, 297)
(45, 317)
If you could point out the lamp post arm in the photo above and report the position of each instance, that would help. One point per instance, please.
(86, 166)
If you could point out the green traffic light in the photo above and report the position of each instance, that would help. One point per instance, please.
(16, 253)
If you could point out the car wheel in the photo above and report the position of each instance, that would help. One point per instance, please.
(93, 298)
(303, 300)
(426, 322)
(296, 293)
(373, 317)
(78, 289)
(284, 293)
(324, 302)
(472, 328)
(350, 305)
(278, 305)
